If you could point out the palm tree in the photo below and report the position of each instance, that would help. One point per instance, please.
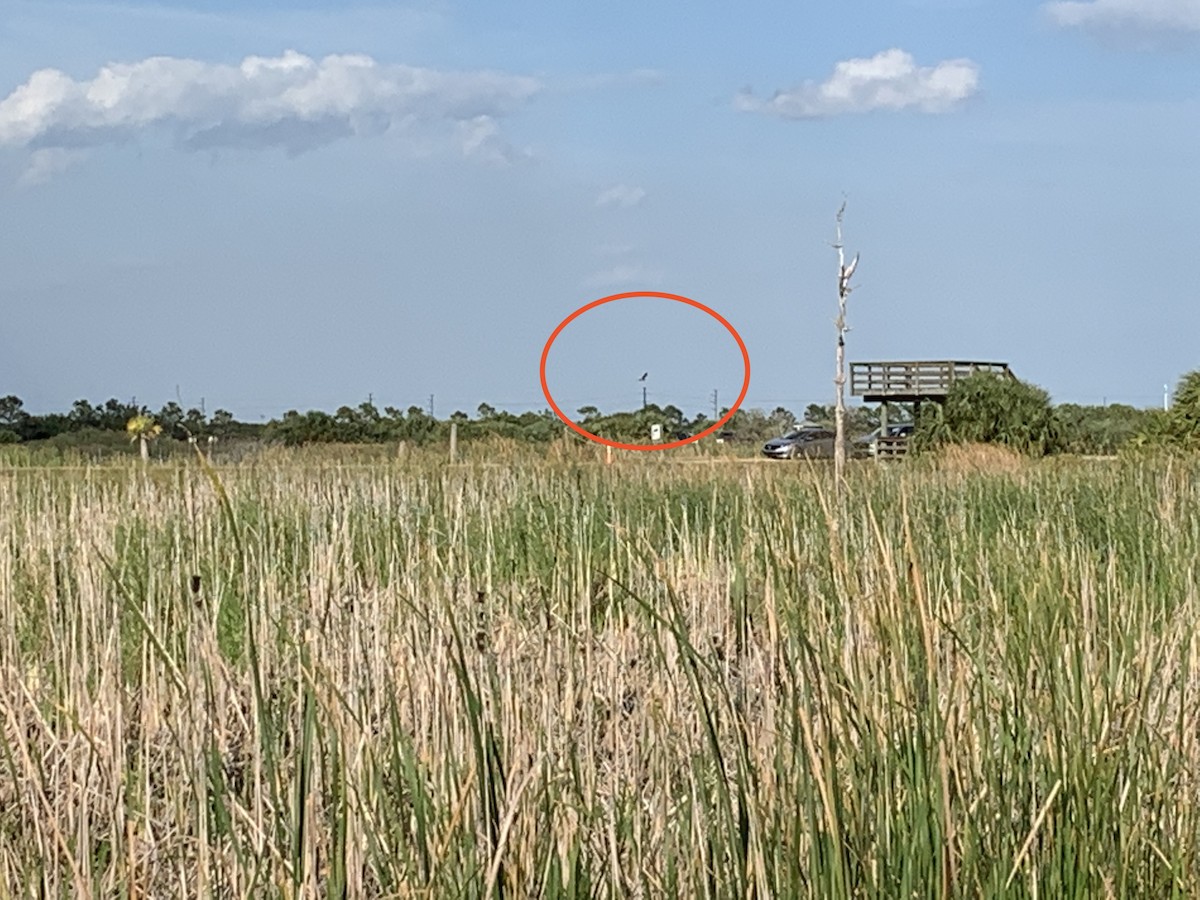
(143, 429)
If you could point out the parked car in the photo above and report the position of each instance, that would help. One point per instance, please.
(803, 443)
(867, 445)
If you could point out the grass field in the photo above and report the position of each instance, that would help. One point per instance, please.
(559, 678)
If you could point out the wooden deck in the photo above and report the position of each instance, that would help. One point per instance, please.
(914, 382)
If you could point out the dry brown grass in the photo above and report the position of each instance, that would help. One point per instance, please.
(638, 680)
(973, 459)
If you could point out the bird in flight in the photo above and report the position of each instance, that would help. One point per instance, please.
(643, 378)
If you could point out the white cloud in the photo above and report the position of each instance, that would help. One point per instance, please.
(1137, 15)
(291, 101)
(622, 195)
(47, 162)
(481, 139)
(625, 275)
(889, 80)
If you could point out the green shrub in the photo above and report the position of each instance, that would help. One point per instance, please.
(1103, 430)
(1178, 428)
(1185, 410)
(990, 409)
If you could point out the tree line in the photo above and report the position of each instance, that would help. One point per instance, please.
(366, 423)
(981, 408)
(985, 408)
(86, 422)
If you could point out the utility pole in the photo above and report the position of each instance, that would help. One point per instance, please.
(431, 415)
(839, 411)
(643, 396)
(716, 407)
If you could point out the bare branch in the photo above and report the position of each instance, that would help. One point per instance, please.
(845, 273)
(848, 272)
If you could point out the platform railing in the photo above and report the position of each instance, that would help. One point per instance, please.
(915, 379)
(895, 447)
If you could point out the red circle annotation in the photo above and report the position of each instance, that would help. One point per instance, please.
(628, 295)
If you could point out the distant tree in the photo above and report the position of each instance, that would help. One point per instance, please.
(40, 428)
(864, 419)
(114, 415)
(587, 412)
(84, 415)
(1180, 425)
(818, 414)
(419, 426)
(143, 429)
(783, 420)
(221, 423)
(1104, 430)
(859, 419)
(194, 422)
(673, 417)
(350, 425)
(485, 411)
(170, 417)
(318, 427)
(751, 425)
(538, 427)
(12, 411)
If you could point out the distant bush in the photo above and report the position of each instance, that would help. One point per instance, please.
(1177, 428)
(1103, 430)
(8, 436)
(1184, 415)
(95, 441)
(990, 409)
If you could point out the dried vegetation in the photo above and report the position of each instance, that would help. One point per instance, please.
(567, 679)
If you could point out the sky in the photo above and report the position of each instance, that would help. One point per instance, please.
(300, 205)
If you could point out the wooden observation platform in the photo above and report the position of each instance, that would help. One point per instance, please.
(914, 382)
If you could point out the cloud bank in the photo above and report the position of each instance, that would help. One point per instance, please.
(890, 80)
(1136, 15)
(291, 102)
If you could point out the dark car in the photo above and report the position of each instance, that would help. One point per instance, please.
(803, 443)
(867, 445)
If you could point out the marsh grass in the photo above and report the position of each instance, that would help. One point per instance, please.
(574, 680)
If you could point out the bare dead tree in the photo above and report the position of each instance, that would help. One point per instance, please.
(845, 272)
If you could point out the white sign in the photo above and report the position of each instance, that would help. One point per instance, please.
(656, 432)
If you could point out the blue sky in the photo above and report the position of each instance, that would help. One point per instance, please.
(298, 205)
